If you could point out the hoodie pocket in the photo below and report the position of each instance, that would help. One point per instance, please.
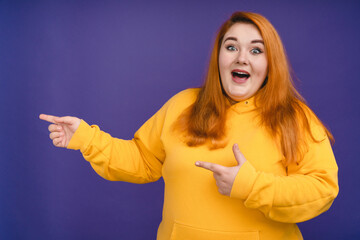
(184, 232)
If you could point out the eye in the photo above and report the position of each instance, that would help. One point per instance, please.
(231, 48)
(256, 51)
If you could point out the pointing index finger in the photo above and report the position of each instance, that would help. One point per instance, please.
(206, 165)
(48, 118)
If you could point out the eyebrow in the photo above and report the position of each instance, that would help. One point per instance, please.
(253, 41)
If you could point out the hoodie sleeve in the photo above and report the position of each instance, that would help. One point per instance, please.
(308, 190)
(138, 160)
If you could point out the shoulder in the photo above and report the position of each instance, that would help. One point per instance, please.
(184, 98)
(179, 102)
(317, 128)
(190, 93)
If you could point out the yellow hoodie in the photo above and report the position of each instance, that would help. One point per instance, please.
(266, 200)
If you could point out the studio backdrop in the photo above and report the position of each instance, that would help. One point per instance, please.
(114, 64)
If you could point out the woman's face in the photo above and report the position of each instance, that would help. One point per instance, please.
(242, 61)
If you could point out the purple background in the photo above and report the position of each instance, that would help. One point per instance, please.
(114, 63)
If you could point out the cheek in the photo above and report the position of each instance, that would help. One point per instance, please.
(262, 68)
(225, 59)
(222, 66)
(221, 61)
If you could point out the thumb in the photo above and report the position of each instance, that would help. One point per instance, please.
(240, 158)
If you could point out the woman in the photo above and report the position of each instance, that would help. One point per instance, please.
(285, 172)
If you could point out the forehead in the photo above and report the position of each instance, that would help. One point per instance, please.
(243, 31)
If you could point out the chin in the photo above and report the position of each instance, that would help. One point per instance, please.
(238, 96)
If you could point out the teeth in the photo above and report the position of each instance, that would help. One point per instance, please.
(241, 74)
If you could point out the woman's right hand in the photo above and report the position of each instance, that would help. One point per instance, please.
(62, 128)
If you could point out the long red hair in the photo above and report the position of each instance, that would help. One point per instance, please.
(282, 109)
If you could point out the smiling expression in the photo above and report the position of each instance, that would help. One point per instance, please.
(242, 61)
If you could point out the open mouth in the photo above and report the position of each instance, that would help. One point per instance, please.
(240, 75)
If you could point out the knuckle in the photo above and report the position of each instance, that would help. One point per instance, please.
(52, 127)
(219, 174)
(217, 177)
(218, 185)
(54, 135)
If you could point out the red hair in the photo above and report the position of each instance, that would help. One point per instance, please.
(282, 109)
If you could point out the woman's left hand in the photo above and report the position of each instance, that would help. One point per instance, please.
(224, 176)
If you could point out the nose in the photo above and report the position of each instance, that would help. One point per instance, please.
(242, 58)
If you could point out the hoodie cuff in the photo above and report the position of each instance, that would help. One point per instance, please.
(82, 137)
(244, 181)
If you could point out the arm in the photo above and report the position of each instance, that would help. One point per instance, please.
(121, 160)
(138, 160)
(308, 190)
